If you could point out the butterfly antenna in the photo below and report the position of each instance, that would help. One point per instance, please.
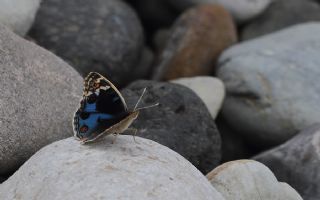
(148, 106)
(135, 107)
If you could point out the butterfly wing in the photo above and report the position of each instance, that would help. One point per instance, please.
(107, 92)
(101, 107)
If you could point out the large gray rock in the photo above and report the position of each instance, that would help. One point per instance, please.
(249, 180)
(298, 162)
(98, 35)
(18, 15)
(281, 14)
(181, 121)
(39, 93)
(270, 83)
(123, 170)
(242, 10)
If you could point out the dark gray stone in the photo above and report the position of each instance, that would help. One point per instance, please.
(98, 35)
(2, 179)
(233, 146)
(181, 121)
(154, 14)
(39, 93)
(281, 14)
(297, 162)
(145, 66)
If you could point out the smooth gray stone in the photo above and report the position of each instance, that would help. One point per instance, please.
(297, 162)
(39, 93)
(124, 170)
(105, 36)
(181, 121)
(271, 84)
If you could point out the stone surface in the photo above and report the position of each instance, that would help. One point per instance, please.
(298, 162)
(160, 39)
(123, 170)
(233, 146)
(281, 14)
(99, 35)
(18, 15)
(2, 179)
(197, 38)
(242, 10)
(39, 93)
(211, 91)
(154, 14)
(144, 67)
(181, 121)
(270, 84)
(248, 179)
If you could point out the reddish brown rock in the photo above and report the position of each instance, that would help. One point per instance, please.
(197, 38)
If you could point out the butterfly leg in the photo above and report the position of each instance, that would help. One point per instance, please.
(115, 137)
(134, 133)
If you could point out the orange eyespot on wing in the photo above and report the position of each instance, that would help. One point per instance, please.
(84, 129)
(96, 85)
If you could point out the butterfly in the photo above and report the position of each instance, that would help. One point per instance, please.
(103, 110)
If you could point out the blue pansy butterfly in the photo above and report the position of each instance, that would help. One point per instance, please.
(102, 111)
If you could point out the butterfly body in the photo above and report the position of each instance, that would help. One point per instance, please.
(102, 111)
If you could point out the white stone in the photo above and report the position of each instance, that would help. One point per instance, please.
(211, 90)
(248, 179)
(18, 15)
(243, 10)
(124, 170)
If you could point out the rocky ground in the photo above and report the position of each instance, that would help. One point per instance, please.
(236, 83)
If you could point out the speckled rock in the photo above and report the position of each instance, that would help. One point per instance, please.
(281, 14)
(298, 162)
(242, 10)
(123, 170)
(98, 35)
(18, 15)
(181, 121)
(248, 179)
(270, 83)
(211, 91)
(197, 38)
(39, 93)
